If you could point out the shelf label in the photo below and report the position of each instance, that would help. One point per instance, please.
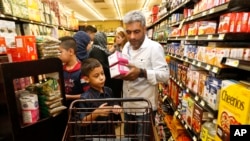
(208, 67)
(186, 126)
(204, 13)
(196, 37)
(232, 62)
(194, 62)
(196, 98)
(221, 36)
(182, 121)
(199, 64)
(192, 17)
(211, 11)
(186, 60)
(176, 113)
(194, 138)
(209, 37)
(202, 103)
(187, 90)
(180, 84)
(179, 116)
(215, 69)
(164, 98)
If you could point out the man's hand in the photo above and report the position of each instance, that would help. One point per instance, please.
(132, 74)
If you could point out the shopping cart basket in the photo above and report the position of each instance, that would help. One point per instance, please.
(103, 129)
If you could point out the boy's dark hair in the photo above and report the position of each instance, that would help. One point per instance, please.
(89, 65)
(90, 28)
(68, 42)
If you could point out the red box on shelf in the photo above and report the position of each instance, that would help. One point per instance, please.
(2, 45)
(28, 45)
(242, 22)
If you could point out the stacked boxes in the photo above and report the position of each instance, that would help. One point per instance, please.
(117, 62)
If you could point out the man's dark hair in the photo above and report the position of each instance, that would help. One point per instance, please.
(89, 65)
(68, 42)
(90, 28)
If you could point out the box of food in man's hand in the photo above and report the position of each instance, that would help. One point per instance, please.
(117, 57)
(118, 70)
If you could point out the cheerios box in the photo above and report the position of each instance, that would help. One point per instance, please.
(234, 108)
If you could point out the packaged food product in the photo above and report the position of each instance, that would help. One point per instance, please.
(234, 108)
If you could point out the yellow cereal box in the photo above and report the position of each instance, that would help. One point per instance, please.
(234, 108)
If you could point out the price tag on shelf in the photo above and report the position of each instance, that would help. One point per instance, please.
(187, 90)
(199, 64)
(194, 62)
(186, 126)
(221, 36)
(215, 69)
(196, 98)
(176, 113)
(209, 37)
(204, 13)
(186, 37)
(232, 62)
(183, 122)
(176, 37)
(186, 60)
(202, 103)
(179, 116)
(192, 17)
(196, 37)
(208, 67)
(180, 84)
(164, 98)
(211, 11)
(194, 138)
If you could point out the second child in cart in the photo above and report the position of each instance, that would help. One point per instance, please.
(93, 74)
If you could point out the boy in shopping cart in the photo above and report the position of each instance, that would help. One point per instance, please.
(94, 115)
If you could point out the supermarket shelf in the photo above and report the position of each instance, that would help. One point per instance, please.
(198, 99)
(178, 116)
(17, 19)
(188, 129)
(199, 64)
(232, 5)
(187, 2)
(214, 37)
(236, 63)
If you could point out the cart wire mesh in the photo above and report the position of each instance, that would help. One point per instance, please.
(109, 128)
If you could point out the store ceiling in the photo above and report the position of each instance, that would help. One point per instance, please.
(105, 9)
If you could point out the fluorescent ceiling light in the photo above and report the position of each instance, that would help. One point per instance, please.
(93, 10)
(145, 5)
(117, 9)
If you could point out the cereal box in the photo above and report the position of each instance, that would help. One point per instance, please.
(234, 108)
(189, 111)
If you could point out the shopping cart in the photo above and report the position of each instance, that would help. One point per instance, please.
(103, 129)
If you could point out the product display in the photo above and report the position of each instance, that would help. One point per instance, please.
(205, 73)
